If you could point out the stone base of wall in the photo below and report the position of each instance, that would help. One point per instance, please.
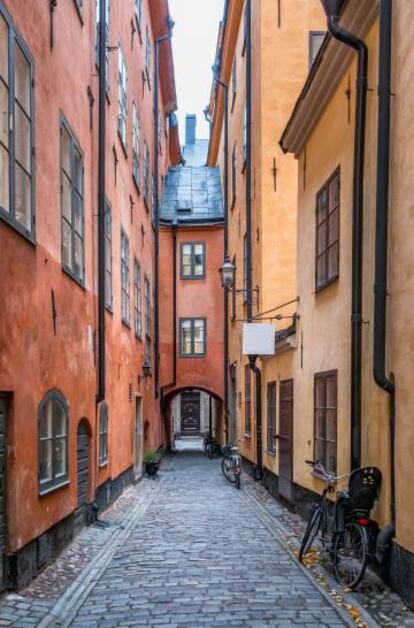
(30, 560)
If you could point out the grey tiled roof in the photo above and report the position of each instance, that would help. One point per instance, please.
(195, 154)
(192, 194)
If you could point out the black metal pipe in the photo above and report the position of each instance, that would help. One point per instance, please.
(258, 470)
(357, 44)
(381, 231)
(101, 200)
(249, 282)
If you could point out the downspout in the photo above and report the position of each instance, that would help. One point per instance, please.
(249, 282)
(258, 469)
(357, 44)
(381, 249)
(101, 201)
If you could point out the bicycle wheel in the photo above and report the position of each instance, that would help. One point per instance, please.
(210, 450)
(350, 555)
(237, 481)
(311, 531)
(227, 468)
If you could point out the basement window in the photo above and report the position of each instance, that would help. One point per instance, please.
(327, 232)
(53, 442)
(325, 419)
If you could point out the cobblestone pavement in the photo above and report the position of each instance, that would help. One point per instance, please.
(185, 549)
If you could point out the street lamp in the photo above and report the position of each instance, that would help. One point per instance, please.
(228, 274)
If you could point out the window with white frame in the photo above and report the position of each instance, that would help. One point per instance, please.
(137, 300)
(125, 313)
(192, 337)
(53, 441)
(71, 182)
(136, 139)
(16, 130)
(122, 96)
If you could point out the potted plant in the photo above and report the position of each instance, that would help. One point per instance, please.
(152, 461)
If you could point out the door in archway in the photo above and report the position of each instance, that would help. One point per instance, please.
(83, 465)
(190, 413)
(138, 438)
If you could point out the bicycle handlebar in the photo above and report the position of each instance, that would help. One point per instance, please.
(330, 477)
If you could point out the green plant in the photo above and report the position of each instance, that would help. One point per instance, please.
(151, 456)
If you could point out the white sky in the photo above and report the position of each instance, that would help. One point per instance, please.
(194, 44)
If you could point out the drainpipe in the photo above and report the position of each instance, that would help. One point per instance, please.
(258, 469)
(385, 382)
(101, 200)
(249, 282)
(357, 44)
(156, 215)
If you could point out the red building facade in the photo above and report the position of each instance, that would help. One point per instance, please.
(61, 449)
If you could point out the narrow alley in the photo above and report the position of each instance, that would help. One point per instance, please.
(188, 550)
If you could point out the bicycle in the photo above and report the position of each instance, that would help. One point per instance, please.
(351, 542)
(211, 447)
(231, 465)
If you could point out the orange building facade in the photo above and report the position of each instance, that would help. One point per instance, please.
(62, 450)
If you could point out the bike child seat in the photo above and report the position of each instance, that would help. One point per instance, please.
(364, 489)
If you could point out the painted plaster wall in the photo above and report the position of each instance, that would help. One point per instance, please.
(32, 359)
(195, 298)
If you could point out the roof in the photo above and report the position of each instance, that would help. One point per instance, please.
(192, 195)
(160, 11)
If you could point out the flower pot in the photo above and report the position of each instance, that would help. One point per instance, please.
(152, 467)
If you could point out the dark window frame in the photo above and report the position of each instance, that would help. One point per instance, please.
(325, 223)
(57, 481)
(109, 298)
(137, 300)
(271, 416)
(192, 274)
(14, 38)
(325, 376)
(247, 399)
(74, 147)
(233, 83)
(233, 176)
(103, 434)
(192, 320)
(312, 35)
(125, 274)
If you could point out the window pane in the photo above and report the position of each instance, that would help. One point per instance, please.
(331, 457)
(78, 257)
(66, 151)
(198, 337)
(66, 244)
(23, 200)
(22, 138)
(198, 259)
(334, 226)
(321, 238)
(45, 427)
(66, 198)
(45, 462)
(77, 171)
(186, 337)
(4, 114)
(321, 270)
(333, 260)
(22, 80)
(60, 456)
(322, 206)
(334, 192)
(59, 419)
(78, 213)
(4, 56)
(320, 427)
(4, 179)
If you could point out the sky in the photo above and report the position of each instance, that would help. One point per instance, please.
(194, 45)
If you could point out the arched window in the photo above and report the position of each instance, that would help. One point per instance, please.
(103, 434)
(53, 442)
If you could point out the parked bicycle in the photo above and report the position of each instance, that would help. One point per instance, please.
(211, 447)
(231, 464)
(350, 540)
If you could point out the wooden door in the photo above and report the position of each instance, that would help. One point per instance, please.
(190, 413)
(138, 438)
(83, 464)
(285, 438)
(3, 454)
(233, 404)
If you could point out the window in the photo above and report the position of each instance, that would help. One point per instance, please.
(245, 293)
(16, 130)
(233, 175)
(234, 82)
(79, 6)
(71, 186)
(148, 54)
(193, 260)
(108, 255)
(192, 336)
(244, 30)
(103, 434)
(53, 442)
(271, 416)
(327, 232)
(315, 42)
(146, 173)
(244, 134)
(325, 403)
(108, 8)
(247, 399)
(122, 96)
(125, 315)
(147, 296)
(136, 139)
(137, 300)
(138, 12)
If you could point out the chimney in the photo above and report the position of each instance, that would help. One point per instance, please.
(190, 128)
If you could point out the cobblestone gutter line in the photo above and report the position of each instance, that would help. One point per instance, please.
(67, 606)
(283, 536)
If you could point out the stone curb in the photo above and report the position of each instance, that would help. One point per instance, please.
(280, 532)
(66, 608)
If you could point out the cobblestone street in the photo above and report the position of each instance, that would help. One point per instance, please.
(184, 549)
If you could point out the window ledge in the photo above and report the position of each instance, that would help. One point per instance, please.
(109, 309)
(74, 278)
(136, 184)
(124, 322)
(193, 355)
(55, 487)
(248, 434)
(192, 277)
(271, 452)
(123, 146)
(27, 235)
(326, 284)
(103, 463)
(138, 337)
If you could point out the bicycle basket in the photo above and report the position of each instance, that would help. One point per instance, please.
(364, 489)
(226, 449)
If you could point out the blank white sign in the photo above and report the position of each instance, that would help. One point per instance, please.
(258, 339)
